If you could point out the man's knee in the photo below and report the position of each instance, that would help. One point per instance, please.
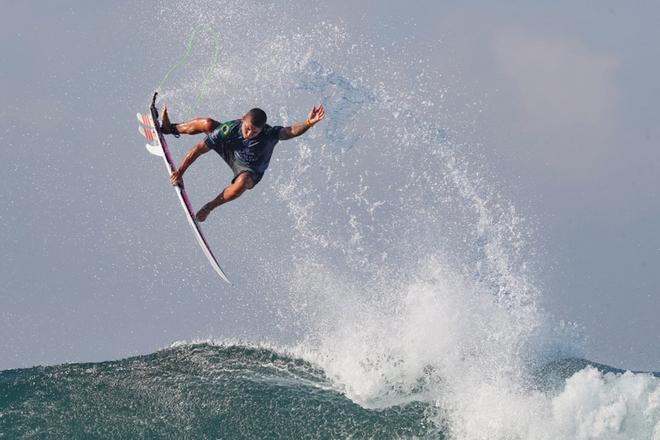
(244, 181)
(207, 125)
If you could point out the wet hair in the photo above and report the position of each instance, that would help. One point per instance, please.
(257, 117)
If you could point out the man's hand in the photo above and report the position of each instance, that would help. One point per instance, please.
(176, 178)
(316, 114)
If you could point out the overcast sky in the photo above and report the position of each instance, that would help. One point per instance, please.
(98, 263)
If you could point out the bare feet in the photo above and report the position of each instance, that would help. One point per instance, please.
(165, 124)
(203, 213)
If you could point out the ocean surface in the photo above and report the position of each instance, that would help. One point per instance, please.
(208, 390)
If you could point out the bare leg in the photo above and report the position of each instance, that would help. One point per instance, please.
(242, 183)
(194, 126)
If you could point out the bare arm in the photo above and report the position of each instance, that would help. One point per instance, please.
(315, 115)
(193, 154)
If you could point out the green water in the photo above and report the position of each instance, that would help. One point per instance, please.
(193, 392)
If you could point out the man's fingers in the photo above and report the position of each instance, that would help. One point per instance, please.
(317, 113)
(176, 179)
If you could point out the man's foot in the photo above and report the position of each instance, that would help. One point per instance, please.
(203, 213)
(165, 125)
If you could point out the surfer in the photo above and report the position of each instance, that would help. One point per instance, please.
(245, 144)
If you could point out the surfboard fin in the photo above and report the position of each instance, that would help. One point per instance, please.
(155, 150)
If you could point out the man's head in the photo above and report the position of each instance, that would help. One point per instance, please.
(253, 122)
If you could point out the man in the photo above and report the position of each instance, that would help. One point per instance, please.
(245, 144)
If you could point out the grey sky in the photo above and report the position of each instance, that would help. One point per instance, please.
(98, 263)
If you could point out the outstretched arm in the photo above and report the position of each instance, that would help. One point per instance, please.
(177, 176)
(315, 116)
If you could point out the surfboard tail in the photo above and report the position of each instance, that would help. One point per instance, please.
(152, 137)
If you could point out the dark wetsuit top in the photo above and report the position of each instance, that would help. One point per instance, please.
(251, 156)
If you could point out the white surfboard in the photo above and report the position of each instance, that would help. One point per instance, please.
(150, 129)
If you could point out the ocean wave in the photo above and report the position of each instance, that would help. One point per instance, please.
(193, 391)
(216, 390)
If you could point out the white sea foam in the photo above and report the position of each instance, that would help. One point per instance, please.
(446, 341)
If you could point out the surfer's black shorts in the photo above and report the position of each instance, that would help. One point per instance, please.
(236, 166)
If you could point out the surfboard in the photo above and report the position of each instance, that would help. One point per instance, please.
(150, 128)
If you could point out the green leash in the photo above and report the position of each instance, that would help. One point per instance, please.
(202, 88)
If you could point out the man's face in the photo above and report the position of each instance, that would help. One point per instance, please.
(248, 130)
